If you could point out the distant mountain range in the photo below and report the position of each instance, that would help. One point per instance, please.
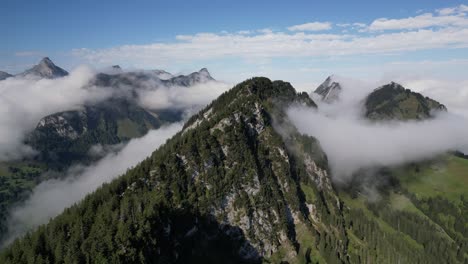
(390, 101)
(65, 138)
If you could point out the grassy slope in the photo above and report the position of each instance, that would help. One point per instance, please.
(447, 178)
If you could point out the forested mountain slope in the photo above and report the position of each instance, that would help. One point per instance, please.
(393, 101)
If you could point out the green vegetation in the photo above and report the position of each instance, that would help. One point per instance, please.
(393, 101)
(17, 179)
(446, 177)
(231, 188)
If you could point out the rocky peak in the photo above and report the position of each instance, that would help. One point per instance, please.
(202, 76)
(45, 69)
(4, 75)
(329, 90)
(163, 75)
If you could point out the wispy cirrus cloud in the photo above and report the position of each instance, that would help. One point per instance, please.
(452, 10)
(422, 21)
(441, 29)
(312, 26)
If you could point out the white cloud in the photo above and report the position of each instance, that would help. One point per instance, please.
(312, 26)
(422, 32)
(182, 97)
(207, 46)
(422, 21)
(23, 101)
(352, 144)
(452, 10)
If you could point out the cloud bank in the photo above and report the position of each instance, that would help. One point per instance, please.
(23, 101)
(446, 29)
(50, 197)
(353, 143)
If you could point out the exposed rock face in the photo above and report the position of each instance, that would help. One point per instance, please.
(329, 90)
(201, 76)
(393, 101)
(143, 79)
(66, 137)
(4, 75)
(163, 75)
(67, 124)
(45, 69)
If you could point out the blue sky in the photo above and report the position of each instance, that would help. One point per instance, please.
(258, 37)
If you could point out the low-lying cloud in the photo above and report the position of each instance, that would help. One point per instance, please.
(23, 101)
(352, 142)
(182, 97)
(51, 197)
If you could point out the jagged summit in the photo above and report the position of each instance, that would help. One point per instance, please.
(329, 90)
(45, 69)
(162, 74)
(201, 76)
(4, 75)
(393, 101)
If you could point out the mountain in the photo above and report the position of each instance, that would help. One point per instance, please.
(239, 184)
(66, 137)
(45, 69)
(188, 80)
(329, 90)
(162, 74)
(140, 79)
(393, 101)
(4, 75)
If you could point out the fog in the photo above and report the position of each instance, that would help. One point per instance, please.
(182, 97)
(50, 197)
(23, 101)
(352, 143)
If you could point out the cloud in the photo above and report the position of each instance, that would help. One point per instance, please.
(182, 97)
(452, 10)
(353, 143)
(312, 26)
(208, 46)
(23, 101)
(428, 31)
(51, 197)
(422, 21)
